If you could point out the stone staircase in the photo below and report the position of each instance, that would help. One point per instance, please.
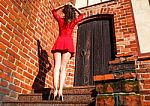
(75, 96)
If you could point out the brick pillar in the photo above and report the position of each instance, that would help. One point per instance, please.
(143, 69)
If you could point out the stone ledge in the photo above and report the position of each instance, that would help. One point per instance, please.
(143, 57)
(123, 59)
(114, 76)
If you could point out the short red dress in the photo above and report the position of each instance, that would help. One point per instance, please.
(64, 42)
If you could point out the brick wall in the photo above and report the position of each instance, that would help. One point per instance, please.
(126, 43)
(27, 33)
(123, 23)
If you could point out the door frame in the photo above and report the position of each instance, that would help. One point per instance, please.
(109, 17)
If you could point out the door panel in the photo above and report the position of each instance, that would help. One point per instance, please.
(93, 51)
(101, 47)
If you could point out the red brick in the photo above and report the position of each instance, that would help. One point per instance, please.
(17, 82)
(11, 59)
(21, 65)
(5, 29)
(4, 9)
(4, 91)
(15, 88)
(3, 3)
(12, 17)
(2, 46)
(145, 75)
(146, 81)
(8, 3)
(24, 55)
(6, 36)
(20, 29)
(18, 76)
(23, 60)
(147, 97)
(26, 45)
(24, 18)
(5, 69)
(16, 43)
(1, 13)
(25, 91)
(2, 21)
(33, 56)
(6, 77)
(19, 70)
(3, 54)
(8, 64)
(18, 38)
(31, 66)
(1, 31)
(145, 103)
(12, 53)
(9, 27)
(146, 86)
(28, 36)
(3, 83)
(28, 75)
(15, 49)
(27, 87)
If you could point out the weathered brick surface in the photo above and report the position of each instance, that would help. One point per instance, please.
(27, 33)
(124, 86)
(105, 100)
(143, 67)
(118, 99)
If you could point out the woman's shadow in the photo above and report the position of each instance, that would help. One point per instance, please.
(44, 68)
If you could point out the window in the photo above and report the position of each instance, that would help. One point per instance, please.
(85, 3)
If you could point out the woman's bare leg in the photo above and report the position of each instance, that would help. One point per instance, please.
(65, 58)
(57, 59)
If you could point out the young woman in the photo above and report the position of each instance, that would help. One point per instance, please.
(63, 48)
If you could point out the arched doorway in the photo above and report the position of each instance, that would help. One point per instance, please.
(95, 47)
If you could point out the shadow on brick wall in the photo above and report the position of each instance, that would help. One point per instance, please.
(44, 68)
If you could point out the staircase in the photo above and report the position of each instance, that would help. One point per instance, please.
(76, 96)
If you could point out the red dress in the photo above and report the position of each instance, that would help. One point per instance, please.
(64, 41)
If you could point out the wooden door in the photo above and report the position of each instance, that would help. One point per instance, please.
(94, 50)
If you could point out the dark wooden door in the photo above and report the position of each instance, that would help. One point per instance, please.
(93, 50)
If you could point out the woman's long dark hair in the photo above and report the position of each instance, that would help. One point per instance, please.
(69, 12)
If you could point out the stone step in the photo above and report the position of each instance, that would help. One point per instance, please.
(69, 90)
(48, 103)
(74, 96)
(40, 97)
(70, 94)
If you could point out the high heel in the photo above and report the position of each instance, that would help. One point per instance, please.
(55, 95)
(61, 97)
